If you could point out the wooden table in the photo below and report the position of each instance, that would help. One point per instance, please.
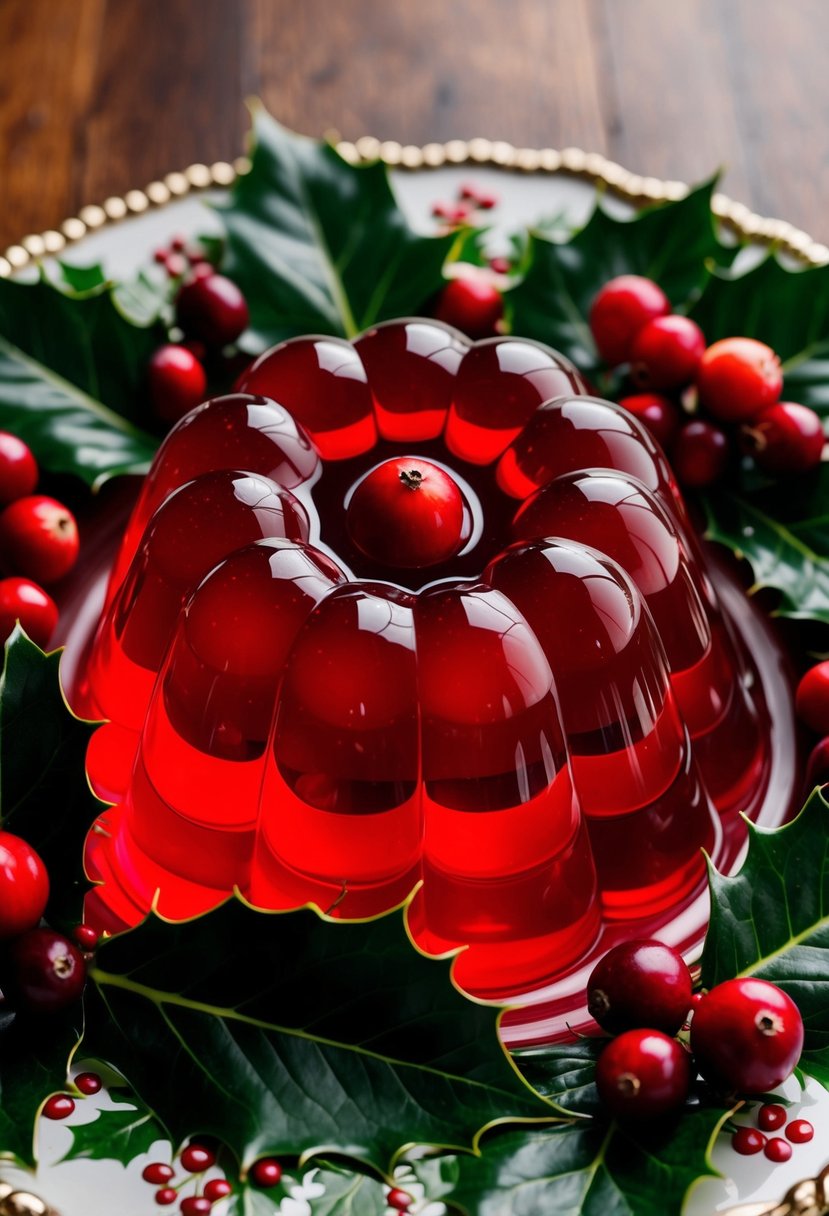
(98, 96)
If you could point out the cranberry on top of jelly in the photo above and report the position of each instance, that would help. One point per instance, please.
(408, 512)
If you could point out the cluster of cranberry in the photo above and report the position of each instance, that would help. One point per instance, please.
(772, 1117)
(195, 1159)
(745, 1036)
(211, 312)
(812, 703)
(732, 386)
(41, 971)
(38, 544)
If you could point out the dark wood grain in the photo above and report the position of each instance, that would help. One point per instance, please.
(101, 95)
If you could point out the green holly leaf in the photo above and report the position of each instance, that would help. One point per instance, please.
(672, 243)
(589, 1169)
(772, 920)
(319, 245)
(564, 1072)
(115, 1135)
(347, 1039)
(44, 794)
(32, 1066)
(786, 308)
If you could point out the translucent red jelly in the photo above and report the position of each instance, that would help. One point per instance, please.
(544, 720)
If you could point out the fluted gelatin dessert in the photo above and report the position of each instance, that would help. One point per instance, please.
(416, 608)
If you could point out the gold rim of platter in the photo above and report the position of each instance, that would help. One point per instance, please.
(807, 1198)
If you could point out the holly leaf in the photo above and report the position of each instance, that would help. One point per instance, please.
(44, 794)
(319, 245)
(772, 920)
(786, 308)
(589, 1169)
(115, 1135)
(564, 1072)
(348, 1040)
(672, 243)
(32, 1066)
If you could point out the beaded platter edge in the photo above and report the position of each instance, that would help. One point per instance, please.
(811, 1196)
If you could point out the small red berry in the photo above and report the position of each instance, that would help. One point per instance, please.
(266, 1172)
(178, 243)
(695, 999)
(217, 1188)
(59, 1106)
(480, 197)
(746, 1036)
(176, 265)
(45, 972)
(89, 1083)
(786, 438)
(212, 309)
(778, 1150)
(738, 378)
(177, 382)
(86, 937)
(453, 213)
(407, 512)
(24, 886)
(399, 1199)
(657, 413)
(160, 256)
(620, 309)
(166, 1196)
(196, 1158)
(817, 766)
(195, 1205)
(18, 469)
(665, 354)
(472, 303)
(202, 270)
(771, 1116)
(748, 1141)
(699, 454)
(500, 265)
(640, 983)
(38, 538)
(643, 1074)
(812, 698)
(157, 1172)
(24, 601)
(800, 1131)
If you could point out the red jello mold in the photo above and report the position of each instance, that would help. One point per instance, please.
(547, 727)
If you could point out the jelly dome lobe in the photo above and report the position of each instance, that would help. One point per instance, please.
(630, 751)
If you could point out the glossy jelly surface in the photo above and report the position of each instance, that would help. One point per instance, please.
(504, 672)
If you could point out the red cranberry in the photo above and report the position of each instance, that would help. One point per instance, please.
(195, 1205)
(166, 1196)
(640, 983)
(217, 1188)
(38, 538)
(89, 1083)
(800, 1131)
(453, 213)
(778, 1150)
(24, 886)
(665, 354)
(46, 972)
(59, 1106)
(407, 512)
(786, 438)
(177, 382)
(196, 1158)
(817, 766)
(746, 1036)
(738, 378)
(18, 469)
(85, 936)
(176, 266)
(396, 1198)
(157, 1172)
(812, 698)
(475, 194)
(500, 265)
(160, 256)
(178, 243)
(748, 1141)
(700, 454)
(202, 270)
(657, 413)
(24, 601)
(212, 309)
(471, 303)
(771, 1116)
(266, 1172)
(643, 1074)
(620, 309)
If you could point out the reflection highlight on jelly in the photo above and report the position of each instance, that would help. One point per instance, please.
(629, 747)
